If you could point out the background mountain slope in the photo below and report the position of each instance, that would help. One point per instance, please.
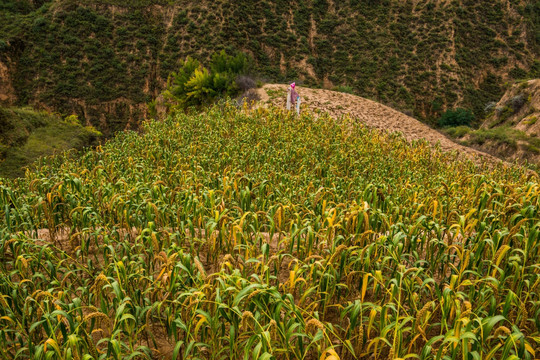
(105, 59)
(511, 130)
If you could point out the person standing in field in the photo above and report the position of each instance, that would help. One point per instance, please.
(295, 98)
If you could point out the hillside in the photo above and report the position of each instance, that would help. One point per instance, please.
(27, 134)
(104, 59)
(511, 130)
(520, 107)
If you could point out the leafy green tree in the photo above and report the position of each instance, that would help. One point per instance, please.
(200, 87)
(176, 87)
(195, 85)
(456, 117)
(224, 83)
(221, 62)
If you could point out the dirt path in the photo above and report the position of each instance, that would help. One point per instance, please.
(369, 113)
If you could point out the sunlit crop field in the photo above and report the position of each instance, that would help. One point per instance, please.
(237, 234)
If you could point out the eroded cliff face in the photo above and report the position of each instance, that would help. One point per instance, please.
(7, 92)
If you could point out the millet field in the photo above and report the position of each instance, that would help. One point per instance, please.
(255, 234)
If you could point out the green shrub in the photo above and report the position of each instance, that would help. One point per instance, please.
(518, 73)
(152, 109)
(502, 114)
(456, 117)
(533, 149)
(195, 85)
(177, 81)
(72, 119)
(517, 102)
(531, 121)
(458, 131)
(344, 89)
(223, 63)
(202, 87)
(502, 135)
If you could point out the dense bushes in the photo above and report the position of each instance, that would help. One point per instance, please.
(195, 85)
(458, 117)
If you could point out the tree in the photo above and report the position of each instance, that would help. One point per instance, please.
(223, 63)
(199, 88)
(456, 117)
(195, 85)
(176, 87)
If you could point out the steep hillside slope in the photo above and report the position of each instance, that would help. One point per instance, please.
(511, 130)
(519, 107)
(26, 135)
(103, 59)
(371, 114)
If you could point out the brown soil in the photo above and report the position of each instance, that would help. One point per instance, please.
(370, 113)
(7, 92)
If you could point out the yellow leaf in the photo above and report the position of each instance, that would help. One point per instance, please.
(52, 343)
(501, 252)
(470, 213)
(292, 274)
(329, 354)
(529, 348)
(6, 318)
(364, 285)
(201, 321)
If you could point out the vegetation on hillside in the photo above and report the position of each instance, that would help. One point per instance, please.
(458, 117)
(26, 135)
(263, 235)
(422, 57)
(510, 130)
(195, 85)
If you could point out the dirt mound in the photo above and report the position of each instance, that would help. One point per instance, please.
(370, 113)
